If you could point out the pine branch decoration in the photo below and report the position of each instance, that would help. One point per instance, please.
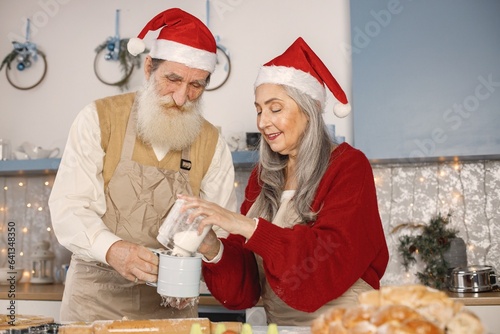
(429, 246)
(127, 61)
(8, 59)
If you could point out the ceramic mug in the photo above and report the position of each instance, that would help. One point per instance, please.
(253, 140)
(178, 276)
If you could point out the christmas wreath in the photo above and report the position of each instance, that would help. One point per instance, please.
(26, 54)
(117, 50)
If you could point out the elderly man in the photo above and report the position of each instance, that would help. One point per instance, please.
(126, 158)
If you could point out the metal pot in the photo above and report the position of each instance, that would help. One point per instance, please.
(472, 279)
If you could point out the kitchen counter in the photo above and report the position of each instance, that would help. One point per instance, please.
(54, 292)
(477, 298)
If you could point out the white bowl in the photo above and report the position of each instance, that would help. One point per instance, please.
(37, 152)
(9, 276)
(21, 155)
(40, 153)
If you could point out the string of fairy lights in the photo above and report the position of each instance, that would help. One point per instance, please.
(405, 192)
(24, 203)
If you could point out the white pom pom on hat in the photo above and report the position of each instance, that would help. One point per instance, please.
(136, 46)
(183, 39)
(301, 68)
(342, 110)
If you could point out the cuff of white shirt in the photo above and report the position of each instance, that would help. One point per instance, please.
(255, 228)
(217, 257)
(101, 245)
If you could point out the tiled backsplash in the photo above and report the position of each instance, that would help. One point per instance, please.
(469, 190)
(414, 193)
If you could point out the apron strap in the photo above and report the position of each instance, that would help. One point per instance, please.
(130, 134)
(185, 166)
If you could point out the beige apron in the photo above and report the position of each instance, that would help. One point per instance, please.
(277, 311)
(138, 199)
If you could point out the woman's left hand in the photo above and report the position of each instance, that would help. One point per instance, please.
(214, 214)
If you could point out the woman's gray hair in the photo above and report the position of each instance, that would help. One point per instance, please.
(312, 161)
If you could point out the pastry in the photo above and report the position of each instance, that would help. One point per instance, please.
(400, 309)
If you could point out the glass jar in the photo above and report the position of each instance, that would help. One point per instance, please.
(5, 150)
(178, 236)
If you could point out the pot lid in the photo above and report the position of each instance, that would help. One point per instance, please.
(472, 269)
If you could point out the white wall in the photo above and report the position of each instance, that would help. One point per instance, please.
(68, 31)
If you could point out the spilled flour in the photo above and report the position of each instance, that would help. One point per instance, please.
(179, 303)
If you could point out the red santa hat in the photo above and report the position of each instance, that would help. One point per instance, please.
(301, 68)
(183, 39)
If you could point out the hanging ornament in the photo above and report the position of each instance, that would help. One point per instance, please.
(223, 64)
(25, 54)
(111, 51)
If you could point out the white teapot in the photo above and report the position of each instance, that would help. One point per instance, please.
(37, 152)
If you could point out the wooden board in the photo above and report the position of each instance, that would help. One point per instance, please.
(171, 326)
(23, 321)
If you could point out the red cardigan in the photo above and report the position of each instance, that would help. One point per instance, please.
(310, 264)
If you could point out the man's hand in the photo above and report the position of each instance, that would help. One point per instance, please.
(133, 261)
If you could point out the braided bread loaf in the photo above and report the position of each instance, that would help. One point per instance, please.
(400, 310)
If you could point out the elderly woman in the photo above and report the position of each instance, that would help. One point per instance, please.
(310, 234)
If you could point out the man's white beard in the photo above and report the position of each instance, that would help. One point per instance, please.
(161, 123)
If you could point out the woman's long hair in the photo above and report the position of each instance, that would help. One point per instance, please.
(312, 161)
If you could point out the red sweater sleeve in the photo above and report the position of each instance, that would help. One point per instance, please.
(234, 280)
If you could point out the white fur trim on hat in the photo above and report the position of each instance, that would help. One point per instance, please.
(282, 75)
(184, 54)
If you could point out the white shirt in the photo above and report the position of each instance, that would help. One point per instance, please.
(77, 201)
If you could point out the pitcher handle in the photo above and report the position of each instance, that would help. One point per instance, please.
(56, 151)
(157, 253)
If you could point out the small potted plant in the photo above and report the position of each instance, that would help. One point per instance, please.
(432, 247)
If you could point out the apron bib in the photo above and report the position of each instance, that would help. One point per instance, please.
(138, 198)
(277, 311)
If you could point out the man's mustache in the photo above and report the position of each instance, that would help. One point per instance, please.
(173, 105)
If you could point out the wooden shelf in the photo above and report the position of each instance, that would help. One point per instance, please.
(241, 159)
(23, 167)
(245, 159)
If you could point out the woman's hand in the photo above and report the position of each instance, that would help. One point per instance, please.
(210, 245)
(214, 214)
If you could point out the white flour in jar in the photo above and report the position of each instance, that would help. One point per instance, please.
(187, 242)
